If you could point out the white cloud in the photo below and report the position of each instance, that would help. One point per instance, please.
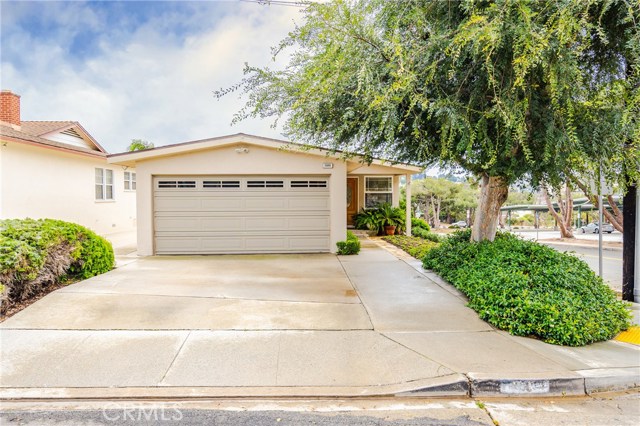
(149, 82)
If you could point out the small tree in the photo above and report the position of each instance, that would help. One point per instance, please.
(139, 145)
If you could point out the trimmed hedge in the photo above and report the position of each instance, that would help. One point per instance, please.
(350, 246)
(415, 246)
(35, 254)
(529, 289)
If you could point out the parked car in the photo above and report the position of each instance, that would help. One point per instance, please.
(459, 224)
(594, 229)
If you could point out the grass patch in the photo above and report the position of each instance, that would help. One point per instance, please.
(529, 289)
(415, 246)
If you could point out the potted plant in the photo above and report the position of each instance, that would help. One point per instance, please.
(391, 217)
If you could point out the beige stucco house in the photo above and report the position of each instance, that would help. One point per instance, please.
(55, 169)
(249, 194)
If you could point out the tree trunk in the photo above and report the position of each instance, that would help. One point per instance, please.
(616, 218)
(493, 194)
(564, 218)
(435, 208)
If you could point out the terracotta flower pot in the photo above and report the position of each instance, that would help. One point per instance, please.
(390, 229)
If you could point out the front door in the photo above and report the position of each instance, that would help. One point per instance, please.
(352, 199)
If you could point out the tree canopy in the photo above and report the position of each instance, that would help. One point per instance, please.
(508, 90)
(139, 145)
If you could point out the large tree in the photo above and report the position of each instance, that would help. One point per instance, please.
(501, 89)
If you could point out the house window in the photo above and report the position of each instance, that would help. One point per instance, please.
(104, 184)
(378, 190)
(129, 181)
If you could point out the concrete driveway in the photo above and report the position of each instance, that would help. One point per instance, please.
(270, 292)
(279, 325)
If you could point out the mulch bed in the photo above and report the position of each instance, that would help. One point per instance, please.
(15, 307)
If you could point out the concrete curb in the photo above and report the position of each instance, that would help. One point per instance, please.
(526, 385)
(585, 382)
(534, 385)
(610, 379)
(450, 385)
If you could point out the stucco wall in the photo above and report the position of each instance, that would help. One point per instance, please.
(226, 161)
(40, 183)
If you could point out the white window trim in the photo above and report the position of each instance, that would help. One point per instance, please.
(390, 191)
(103, 185)
(132, 180)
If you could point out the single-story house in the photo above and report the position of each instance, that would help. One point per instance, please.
(57, 170)
(250, 194)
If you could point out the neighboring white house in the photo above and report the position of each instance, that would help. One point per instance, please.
(248, 194)
(55, 169)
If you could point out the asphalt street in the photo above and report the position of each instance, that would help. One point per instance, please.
(603, 409)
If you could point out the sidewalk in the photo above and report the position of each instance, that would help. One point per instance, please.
(420, 339)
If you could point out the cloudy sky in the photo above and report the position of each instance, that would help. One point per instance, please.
(138, 70)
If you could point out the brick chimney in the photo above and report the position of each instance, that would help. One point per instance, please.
(10, 108)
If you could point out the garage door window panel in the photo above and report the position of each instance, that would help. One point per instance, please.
(265, 184)
(221, 184)
(309, 184)
(182, 184)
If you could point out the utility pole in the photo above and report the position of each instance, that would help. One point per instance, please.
(600, 209)
(629, 236)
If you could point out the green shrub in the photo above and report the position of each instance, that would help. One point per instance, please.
(420, 223)
(35, 254)
(420, 232)
(368, 219)
(529, 289)
(415, 246)
(351, 246)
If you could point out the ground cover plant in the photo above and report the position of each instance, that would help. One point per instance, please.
(350, 246)
(427, 235)
(38, 254)
(415, 246)
(529, 289)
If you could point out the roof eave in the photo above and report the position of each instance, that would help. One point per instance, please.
(57, 147)
(130, 158)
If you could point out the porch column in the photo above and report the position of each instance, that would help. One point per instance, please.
(408, 203)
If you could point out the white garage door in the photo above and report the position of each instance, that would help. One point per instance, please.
(241, 214)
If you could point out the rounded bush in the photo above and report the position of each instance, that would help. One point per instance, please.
(35, 254)
(529, 289)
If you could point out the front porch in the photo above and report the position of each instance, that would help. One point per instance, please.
(369, 186)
